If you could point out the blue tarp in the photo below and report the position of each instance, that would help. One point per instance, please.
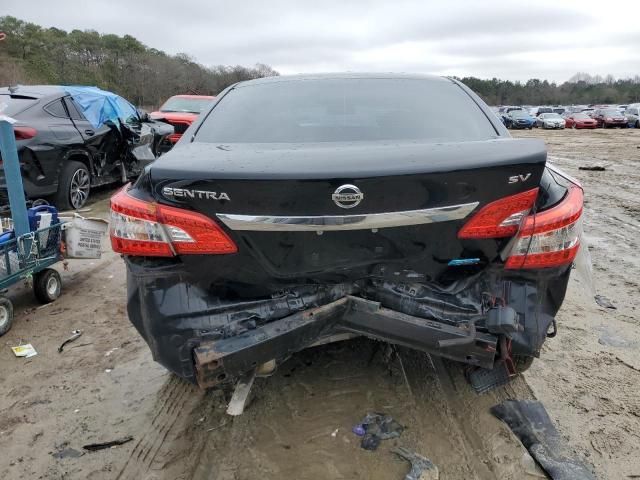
(100, 106)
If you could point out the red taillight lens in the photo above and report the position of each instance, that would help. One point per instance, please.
(550, 238)
(24, 133)
(149, 229)
(501, 218)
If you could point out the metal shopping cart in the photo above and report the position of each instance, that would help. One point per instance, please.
(25, 252)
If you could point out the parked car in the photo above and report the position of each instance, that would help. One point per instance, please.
(559, 110)
(180, 111)
(609, 118)
(542, 110)
(577, 108)
(297, 210)
(632, 114)
(519, 119)
(71, 139)
(579, 120)
(550, 120)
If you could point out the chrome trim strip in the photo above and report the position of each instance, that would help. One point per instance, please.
(346, 222)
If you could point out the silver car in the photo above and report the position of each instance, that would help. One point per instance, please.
(633, 115)
(550, 120)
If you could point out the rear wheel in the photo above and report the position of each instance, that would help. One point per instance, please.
(6, 315)
(637, 123)
(74, 186)
(47, 285)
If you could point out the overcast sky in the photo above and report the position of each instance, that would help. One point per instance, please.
(485, 38)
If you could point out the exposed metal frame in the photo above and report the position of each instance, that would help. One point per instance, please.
(346, 222)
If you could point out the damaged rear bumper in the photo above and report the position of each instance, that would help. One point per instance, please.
(211, 335)
(216, 361)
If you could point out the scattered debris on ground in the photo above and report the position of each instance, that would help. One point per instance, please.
(25, 351)
(421, 467)
(530, 422)
(74, 336)
(594, 168)
(604, 302)
(63, 451)
(377, 427)
(94, 447)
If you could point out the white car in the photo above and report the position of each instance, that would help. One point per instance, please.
(550, 120)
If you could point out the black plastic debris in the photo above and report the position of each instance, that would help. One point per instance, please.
(74, 336)
(421, 467)
(93, 447)
(484, 380)
(594, 168)
(530, 422)
(604, 302)
(377, 427)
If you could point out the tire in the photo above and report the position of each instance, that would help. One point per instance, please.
(47, 285)
(637, 123)
(74, 186)
(522, 363)
(6, 315)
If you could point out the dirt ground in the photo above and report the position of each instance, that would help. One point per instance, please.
(105, 386)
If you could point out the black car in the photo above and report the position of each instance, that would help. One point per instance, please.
(395, 207)
(63, 155)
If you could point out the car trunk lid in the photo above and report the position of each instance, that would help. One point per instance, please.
(278, 202)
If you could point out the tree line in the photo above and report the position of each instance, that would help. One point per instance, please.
(581, 89)
(32, 54)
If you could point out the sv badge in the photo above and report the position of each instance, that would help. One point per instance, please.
(519, 178)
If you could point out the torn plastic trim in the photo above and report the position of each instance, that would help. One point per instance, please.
(217, 361)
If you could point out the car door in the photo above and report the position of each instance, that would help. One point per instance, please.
(104, 142)
(62, 138)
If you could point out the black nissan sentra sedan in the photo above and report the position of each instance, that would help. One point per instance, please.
(391, 206)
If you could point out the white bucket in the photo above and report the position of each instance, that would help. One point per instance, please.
(83, 237)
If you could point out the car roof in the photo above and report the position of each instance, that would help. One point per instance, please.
(208, 97)
(339, 76)
(36, 91)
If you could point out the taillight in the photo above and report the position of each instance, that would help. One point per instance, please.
(149, 229)
(550, 238)
(24, 133)
(501, 218)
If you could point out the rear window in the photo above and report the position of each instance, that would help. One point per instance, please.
(346, 110)
(12, 105)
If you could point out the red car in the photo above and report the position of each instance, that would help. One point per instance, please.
(180, 111)
(609, 118)
(580, 120)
